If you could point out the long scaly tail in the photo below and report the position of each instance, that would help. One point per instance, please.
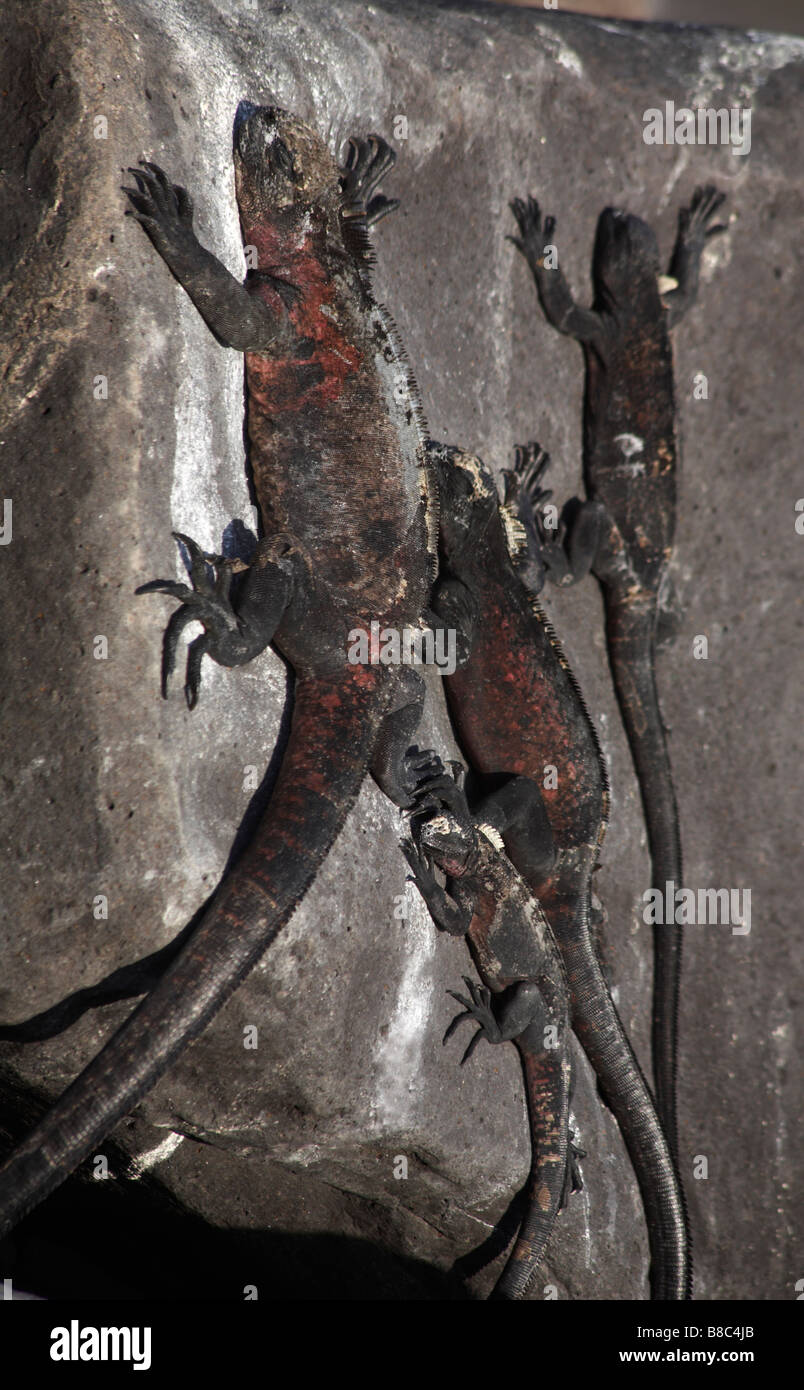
(603, 1038)
(630, 631)
(548, 1082)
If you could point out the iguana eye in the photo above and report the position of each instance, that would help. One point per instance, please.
(282, 157)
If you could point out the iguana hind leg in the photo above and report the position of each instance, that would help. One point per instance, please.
(501, 1018)
(516, 810)
(232, 635)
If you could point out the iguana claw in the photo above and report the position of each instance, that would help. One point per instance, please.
(477, 1007)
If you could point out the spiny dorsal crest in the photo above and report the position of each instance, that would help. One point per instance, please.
(516, 539)
(491, 833)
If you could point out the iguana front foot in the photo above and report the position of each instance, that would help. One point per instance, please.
(230, 637)
(694, 221)
(521, 512)
(573, 547)
(531, 462)
(442, 833)
(534, 235)
(449, 915)
(162, 208)
(680, 286)
(432, 787)
(237, 318)
(367, 161)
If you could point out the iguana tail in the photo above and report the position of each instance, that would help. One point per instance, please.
(602, 1036)
(334, 732)
(631, 643)
(548, 1083)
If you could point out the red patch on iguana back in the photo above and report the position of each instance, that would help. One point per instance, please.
(278, 383)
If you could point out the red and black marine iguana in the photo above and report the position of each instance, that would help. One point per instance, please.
(517, 713)
(517, 957)
(340, 473)
(624, 531)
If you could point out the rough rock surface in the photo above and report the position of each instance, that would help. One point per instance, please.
(109, 791)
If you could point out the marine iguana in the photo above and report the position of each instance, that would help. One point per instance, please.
(524, 997)
(340, 473)
(624, 530)
(518, 712)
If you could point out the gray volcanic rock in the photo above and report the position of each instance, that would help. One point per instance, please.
(122, 420)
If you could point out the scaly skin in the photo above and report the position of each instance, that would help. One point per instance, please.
(517, 957)
(339, 469)
(517, 711)
(625, 530)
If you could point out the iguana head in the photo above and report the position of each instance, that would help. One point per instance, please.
(468, 496)
(440, 819)
(451, 840)
(281, 166)
(625, 259)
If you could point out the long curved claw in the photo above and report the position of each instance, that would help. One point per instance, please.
(199, 563)
(527, 213)
(380, 207)
(432, 785)
(383, 157)
(410, 852)
(525, 478)
(159, 174)
(429, 783)
(365, 164)
(192, 547)
(478, 1008)
(423, 764)
(192, 680)
(434, 795)
(706, 201)
(148, 198)
(176, 625)
(167, 586)
(532, 235)
(531, 462)
(141, 206)
(351, 156)
(420, 864)
(154, 182)
(163, 209)
(367, 160)
(425, 806)
(460, 999)
(480, 994)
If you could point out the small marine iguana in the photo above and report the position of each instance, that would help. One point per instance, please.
(340, 473)
(520, 964)
(624, 531)
(518, 713)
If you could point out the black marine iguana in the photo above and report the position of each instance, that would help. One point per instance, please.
(336, 451)
(518, 712)
(516, 955)
(624, 531)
